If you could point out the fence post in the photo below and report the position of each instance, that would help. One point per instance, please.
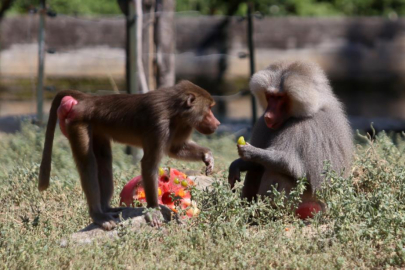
(131, 64)
(251, 56)
(165, 43)
(132, 57)
(41, 56)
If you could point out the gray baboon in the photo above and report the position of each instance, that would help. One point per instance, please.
(303, 125)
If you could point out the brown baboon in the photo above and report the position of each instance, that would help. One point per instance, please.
(161, 122)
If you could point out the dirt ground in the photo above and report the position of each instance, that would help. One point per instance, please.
(17, 108)
(12, 112)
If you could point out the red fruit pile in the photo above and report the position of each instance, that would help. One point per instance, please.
(173, 185)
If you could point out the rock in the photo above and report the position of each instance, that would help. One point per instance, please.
(202, 181)
(131, 217)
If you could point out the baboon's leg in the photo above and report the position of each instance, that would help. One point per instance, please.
(102, 152)
(252, 183)
(150, 165)
(81, 142)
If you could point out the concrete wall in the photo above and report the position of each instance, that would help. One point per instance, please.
(364, 57)
(354, 47)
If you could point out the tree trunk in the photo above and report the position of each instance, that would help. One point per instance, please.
(165, 42)
(148, 50)
(5, 5)
(144, 87)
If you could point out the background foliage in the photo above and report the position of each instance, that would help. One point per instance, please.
(221, 7)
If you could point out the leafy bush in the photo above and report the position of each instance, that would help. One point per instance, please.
(362, 228)
(392, 8)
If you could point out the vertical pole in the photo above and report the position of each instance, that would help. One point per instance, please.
(165, 43)
(251, 56)
(131, 65)
(132, 57)
(138, 37)
(41, 56)
(146, 42)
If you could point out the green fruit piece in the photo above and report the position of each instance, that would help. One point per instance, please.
(184, 183)
(176, 181)
(241, 141)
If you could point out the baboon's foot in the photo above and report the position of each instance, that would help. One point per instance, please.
(105, 220)
(114, 209)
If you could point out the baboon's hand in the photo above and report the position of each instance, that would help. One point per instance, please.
(246, 152)
(209, 162)
(234, 173)
(154, 217)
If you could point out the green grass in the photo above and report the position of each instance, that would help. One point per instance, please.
(363, 228)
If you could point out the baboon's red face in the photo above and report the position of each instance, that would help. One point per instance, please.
(277, 111)
(209, 123)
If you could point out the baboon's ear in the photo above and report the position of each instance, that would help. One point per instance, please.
(190, 100)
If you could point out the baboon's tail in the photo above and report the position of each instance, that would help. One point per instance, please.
(45, 168)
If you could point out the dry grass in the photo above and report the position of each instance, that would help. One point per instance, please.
(364, 226)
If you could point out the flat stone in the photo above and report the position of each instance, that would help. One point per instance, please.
(131, 217)
(202, 181)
